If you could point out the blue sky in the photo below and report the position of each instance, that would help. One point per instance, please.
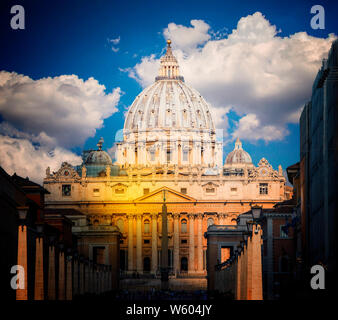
(71, 38)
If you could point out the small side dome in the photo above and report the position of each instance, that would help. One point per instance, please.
(97, 157)
(238, 155)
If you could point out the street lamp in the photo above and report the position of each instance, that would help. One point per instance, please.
(256, 212)
(22, 213)
(39, 229)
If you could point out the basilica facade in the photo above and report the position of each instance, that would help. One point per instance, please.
(170, 151)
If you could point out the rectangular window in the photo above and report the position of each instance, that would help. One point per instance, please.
(263, 188)
(184, 241)
(233, 190)
(184, 190)
(210, 190)
(145, 191)
(146, 241)
(66, 190)
(96, 192)
(152, 155)
(119, 190)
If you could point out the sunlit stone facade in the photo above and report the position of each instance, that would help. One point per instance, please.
(169, 146)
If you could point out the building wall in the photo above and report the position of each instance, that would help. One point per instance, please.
(319, 123)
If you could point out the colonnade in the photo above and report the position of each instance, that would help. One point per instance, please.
(195, 241)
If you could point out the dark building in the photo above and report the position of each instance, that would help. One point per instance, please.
(318, 170)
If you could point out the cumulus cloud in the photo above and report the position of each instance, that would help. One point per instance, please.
(65, 108)
(27, 160)
(187, 38)
(263, 77)
(42, 118)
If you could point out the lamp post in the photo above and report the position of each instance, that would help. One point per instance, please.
(22, 290)
(164, 256)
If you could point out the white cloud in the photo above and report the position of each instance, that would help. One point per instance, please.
(65, 108)
(250, 128)
(42, 118)
(187, 38)
(20, 156)
(114, 42)
(253, 70)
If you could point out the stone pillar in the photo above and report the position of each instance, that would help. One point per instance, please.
(39, 274)
(51, 274)
(199, 243)
(90, 277)
(61, 291)
(86, 277)
(130, 218)
(76, 277)
(81, 277)
(238, 278)
(22, 293)
(176, 217)
(110, 278)
(139, 243)
(69, 278)
(191, 263)
(256, 269)
(154, 243)
(269, 259)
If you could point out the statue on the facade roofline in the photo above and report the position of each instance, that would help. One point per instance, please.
(108, 171)
(84, 171)
(48, 172)
(280, 170)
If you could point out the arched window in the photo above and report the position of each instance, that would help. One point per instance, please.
(183, 225)
(146, 226)
(120, 225)
(210, 222)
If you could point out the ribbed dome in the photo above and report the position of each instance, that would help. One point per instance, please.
(238, 155)
(169, 123)
(168, 103)
(97, 157)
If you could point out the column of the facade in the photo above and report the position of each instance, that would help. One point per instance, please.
(191, 263)
(176, 217)
(154, 243)
(139, 242)
(130, 218)
(199, 243)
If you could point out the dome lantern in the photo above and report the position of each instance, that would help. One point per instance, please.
(169, 68)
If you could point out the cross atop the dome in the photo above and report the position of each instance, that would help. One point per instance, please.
(99, 144)
(169, 69)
